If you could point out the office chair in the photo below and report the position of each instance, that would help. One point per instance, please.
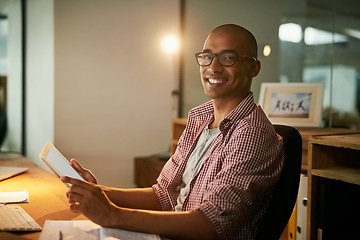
(284, 197)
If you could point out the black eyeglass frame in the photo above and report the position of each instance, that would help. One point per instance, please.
(213, 55)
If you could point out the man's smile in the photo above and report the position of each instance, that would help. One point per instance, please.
(216, 80)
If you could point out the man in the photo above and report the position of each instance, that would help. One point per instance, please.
(220, 179)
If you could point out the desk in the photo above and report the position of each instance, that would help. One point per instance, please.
(46, 192)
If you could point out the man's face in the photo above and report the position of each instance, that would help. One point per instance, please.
(227, 83)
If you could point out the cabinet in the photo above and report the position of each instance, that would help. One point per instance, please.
(147, 170)
(333, 185)
(177, 128)
(296, 228)
(298, 221)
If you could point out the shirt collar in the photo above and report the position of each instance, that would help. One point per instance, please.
(241, 111)
(206, 112)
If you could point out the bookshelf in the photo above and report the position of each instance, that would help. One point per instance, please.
(333, 161)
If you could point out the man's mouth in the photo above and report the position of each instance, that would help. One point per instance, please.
(214, 80)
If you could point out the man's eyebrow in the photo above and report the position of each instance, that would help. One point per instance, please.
(225, 50)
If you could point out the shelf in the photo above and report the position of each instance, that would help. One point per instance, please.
(350, 141)
(348, 175)
(308, 133)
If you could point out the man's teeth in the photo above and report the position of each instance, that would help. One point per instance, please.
(214, 80)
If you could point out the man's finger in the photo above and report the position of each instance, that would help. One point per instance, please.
(75, 198)
(75, 208)
(72, 181)
(85, 173)
(77, 166)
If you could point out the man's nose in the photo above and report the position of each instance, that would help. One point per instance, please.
(215, 66)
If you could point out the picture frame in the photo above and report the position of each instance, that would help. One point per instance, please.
(293, 104)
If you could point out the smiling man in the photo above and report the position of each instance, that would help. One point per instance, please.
(228, 80)
(220, 179)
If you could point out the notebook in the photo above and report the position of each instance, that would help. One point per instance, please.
(14, 197)
(8, 172)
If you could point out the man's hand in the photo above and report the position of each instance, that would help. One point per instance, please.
(85, 173)
(90, 200)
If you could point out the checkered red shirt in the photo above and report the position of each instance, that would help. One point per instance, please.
(241, 167)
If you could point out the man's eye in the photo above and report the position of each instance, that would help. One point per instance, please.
(207, 56)
(229, 57)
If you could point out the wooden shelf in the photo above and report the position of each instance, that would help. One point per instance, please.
(350, 141)
(344, 174)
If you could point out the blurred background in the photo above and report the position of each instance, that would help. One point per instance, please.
(95, 78)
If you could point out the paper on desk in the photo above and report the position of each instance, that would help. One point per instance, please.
(85, 229)
(80, 229)
(118, 234)
(14, 197)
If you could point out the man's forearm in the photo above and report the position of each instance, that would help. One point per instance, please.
(124, 209)
(173, 225)
(136, 198)
(140, 211)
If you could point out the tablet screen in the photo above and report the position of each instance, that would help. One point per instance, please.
(57, 162)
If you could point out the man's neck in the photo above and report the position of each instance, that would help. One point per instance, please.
(222, 108)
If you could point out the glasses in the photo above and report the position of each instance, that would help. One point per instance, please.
(226, 59)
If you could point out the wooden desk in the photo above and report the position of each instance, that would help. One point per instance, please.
(46, 192)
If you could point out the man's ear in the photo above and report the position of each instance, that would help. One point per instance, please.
(255, 68)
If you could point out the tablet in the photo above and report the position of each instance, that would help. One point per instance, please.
(57, 163)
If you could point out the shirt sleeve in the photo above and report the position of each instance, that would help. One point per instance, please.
(251, 164)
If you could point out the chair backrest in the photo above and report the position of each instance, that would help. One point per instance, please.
(284, 197)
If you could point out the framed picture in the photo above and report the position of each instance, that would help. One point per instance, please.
(294, 104)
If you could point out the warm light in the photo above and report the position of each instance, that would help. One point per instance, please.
(170, 45)
(267, 50)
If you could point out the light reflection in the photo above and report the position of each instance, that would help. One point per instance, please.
(352, 33)
(290, 32)
(314, 36)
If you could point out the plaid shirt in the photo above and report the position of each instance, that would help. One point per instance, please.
(237, 178)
